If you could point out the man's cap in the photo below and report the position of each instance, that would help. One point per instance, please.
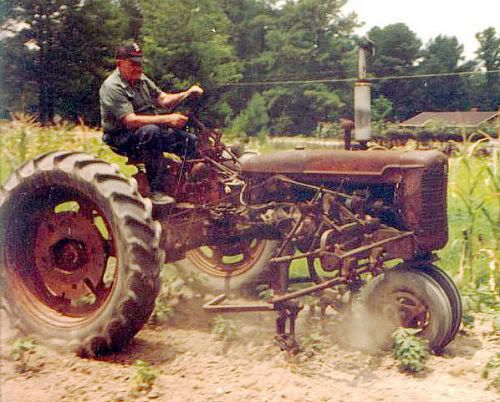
(131, 51)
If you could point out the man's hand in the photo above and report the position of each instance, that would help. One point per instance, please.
(195, 91)
(176, 120)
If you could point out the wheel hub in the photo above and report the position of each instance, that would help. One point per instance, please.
(69, 254)
(407, 310)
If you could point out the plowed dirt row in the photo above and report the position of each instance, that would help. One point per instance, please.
(192, 365)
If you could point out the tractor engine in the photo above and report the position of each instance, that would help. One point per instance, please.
(405, 191)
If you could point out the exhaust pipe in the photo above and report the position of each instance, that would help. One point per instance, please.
(362, 95)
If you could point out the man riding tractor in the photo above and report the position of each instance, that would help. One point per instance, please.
(130, 103)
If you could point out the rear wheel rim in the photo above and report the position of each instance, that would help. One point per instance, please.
(230, 260)
(69, 271)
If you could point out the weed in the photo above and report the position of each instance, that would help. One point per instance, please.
(171, 290)
(20, 352)
(313, 342)
(492, 370)
(409, 350)
(145, 376)
(496, 323)
(468, 320)
(224, 329)
(163, 310)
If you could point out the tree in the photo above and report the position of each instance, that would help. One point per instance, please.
(397, 49)
(187, 42)
(306, 39)
(489, 54)
(62, 53)
(444, 54)
(131, 10)
(37, 63)
(253, 120)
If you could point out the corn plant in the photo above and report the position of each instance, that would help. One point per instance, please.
(474, 208)
(23, 138)
(409, 350)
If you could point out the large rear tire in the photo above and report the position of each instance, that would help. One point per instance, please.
(412, 299)
(79, 253)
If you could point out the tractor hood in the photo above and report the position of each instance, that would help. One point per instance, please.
(338, 162)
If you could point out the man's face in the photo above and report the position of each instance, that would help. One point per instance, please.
(130, 70)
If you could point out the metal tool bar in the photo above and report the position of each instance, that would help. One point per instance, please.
(214, 305)
(311, 289)
(368, 247)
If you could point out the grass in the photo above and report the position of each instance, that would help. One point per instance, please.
(473, 204)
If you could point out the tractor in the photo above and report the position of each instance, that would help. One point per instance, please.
(81, 245)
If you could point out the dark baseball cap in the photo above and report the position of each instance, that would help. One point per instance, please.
(130, 51)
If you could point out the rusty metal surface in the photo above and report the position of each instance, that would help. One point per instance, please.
(335, 162)
(69, 254)
(214, 259)
(433, 220)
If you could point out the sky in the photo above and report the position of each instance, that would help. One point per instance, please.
(430, 18)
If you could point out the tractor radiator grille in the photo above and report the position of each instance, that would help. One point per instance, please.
(434, 182)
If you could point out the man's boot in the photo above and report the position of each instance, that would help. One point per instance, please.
(156, 170)
(161, 198)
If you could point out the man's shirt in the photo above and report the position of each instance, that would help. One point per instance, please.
(118, 98)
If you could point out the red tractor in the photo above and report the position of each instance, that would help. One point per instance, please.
(81, 246)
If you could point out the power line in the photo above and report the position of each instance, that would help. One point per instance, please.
(339, 80)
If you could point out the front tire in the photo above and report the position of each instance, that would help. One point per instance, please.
(449, 287)
(79, 253)
(411, 299)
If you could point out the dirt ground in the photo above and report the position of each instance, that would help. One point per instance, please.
(190, 364)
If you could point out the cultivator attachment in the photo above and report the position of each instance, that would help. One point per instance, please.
(345, 242)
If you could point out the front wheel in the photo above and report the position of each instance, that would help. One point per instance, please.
(449, 287)
(411, 299)
(79, 253)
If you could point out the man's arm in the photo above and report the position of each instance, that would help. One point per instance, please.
(174, 120)
(172, 100)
